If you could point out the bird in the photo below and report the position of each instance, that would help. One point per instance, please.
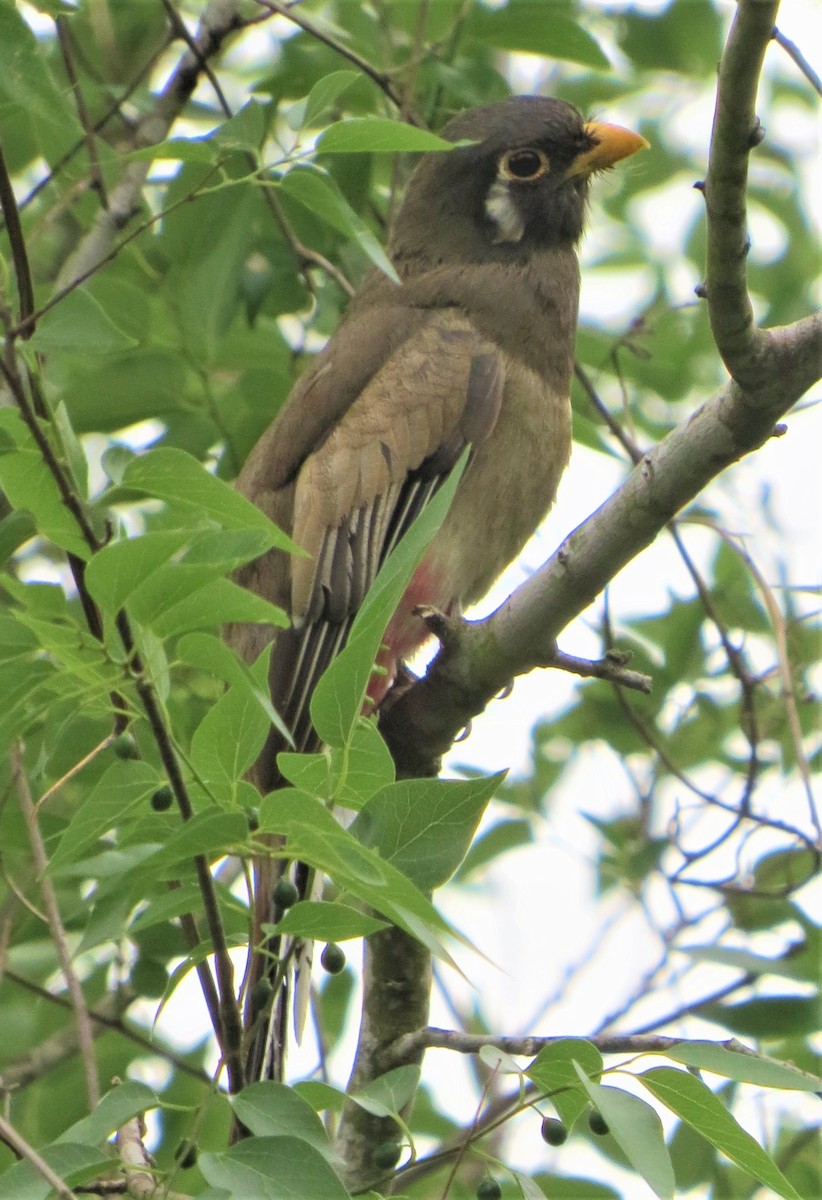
(473, 348)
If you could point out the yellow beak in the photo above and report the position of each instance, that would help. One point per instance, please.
(612, 143)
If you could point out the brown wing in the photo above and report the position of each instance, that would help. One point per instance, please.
(370, 473)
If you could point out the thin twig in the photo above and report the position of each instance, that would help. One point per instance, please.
(798, 57)
(19, 1146)
(382, 80)
(97, 183)
(85, 1035)
(19, 1073)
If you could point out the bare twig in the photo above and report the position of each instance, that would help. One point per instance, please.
(382, 80)
(798, 57)
(432, 1038)
(613, 667)
(96, 175)
(62, 1044)
(85, 1036)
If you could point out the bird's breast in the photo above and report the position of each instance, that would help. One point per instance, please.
(507, 489)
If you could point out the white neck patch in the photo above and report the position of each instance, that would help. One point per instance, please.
(501, 209)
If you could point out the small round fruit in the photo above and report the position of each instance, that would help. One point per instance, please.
(162, 799)
(186, 1154)
(387, 1155)
(253, 818)
(124, 746)
(261, 994)
(553, 1132)
(489, 1189)
(333, 958)
(285, 893)
(597, 1123)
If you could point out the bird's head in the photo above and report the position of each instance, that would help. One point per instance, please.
(521, 185)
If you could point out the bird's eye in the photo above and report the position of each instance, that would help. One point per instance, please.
(524, 165)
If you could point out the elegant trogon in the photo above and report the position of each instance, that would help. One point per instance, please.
(474, 347)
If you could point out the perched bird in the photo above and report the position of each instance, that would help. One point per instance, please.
(473, 347)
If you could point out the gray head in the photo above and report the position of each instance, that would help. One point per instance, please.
(519, 187)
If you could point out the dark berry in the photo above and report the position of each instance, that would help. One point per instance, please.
(285, 893)
(162, 799)
(124, 746)
(489, 1189)
(554, 1132)
(387, 1155)
(597, 1123)
(261, 994)
(333, 958)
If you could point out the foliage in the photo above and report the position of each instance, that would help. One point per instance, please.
(190, 249)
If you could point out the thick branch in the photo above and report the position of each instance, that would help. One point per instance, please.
(736, 132)
(471, 670)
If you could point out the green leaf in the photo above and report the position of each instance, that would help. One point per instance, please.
(68, 1160)
(377, 135)
(196, 150)
(347, 775)
(212, 831)
(15, 529)
(122, 790)
(323, 921)
(794, 964)
(325, 93)
(425, 826)
(29, 485)
(695, 1103)
(387, 1095)
(170, 904)
(271, 1109)
(227, 741)
(338, 697)
(173, 475)
(26, 82)
(273, 1168)
(638, 1132)
(121, 567)
(314, 837)
(522, 25)
(317, 192)
(211, 654)
(744, 1068)
(120, 1104)
(554, 1073)
(564, 1187)
(220, 602)
(80, 324)
(767, 1017)
(321, 1096)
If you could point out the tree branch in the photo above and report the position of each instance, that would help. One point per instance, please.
(467, 673)
(85, 1035)
(736, 131)
(19, 1146)
(432, 1038)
